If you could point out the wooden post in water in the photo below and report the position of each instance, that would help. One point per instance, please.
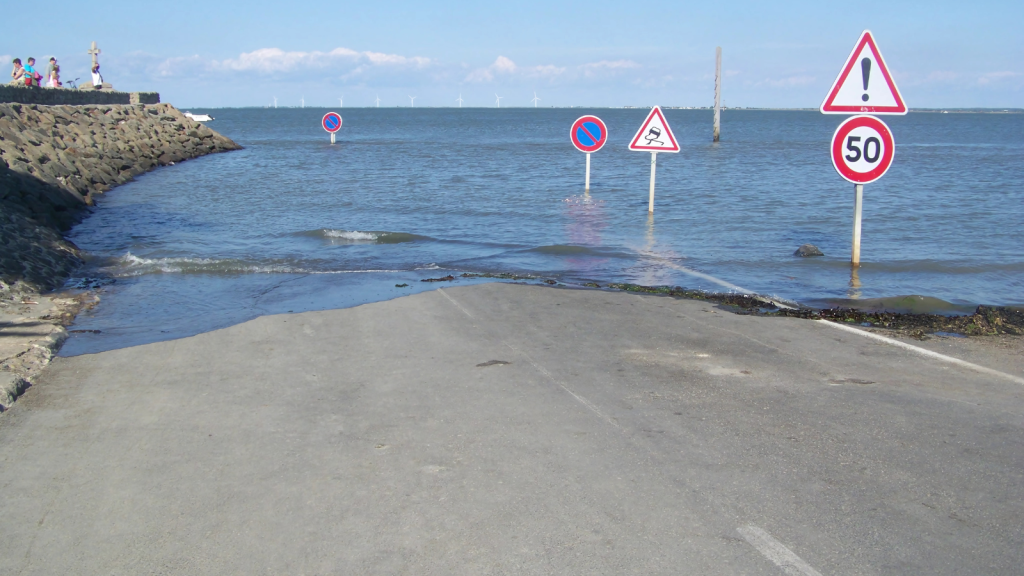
(718, 92)
(858, 190)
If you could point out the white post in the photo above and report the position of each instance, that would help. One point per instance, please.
(332, 137)
(718, 92)
(654, 167)
(587, 187)
(857, 203)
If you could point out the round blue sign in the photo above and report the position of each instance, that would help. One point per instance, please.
(331, 122)
(588, 134)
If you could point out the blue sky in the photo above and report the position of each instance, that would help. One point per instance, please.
(942, 54)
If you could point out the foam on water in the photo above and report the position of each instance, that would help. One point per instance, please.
(357, 237)
(130, 265)
(350, 234)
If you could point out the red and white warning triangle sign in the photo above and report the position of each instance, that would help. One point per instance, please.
(655, 135)
(864, 85)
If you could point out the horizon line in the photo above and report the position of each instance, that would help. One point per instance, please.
(629, 107)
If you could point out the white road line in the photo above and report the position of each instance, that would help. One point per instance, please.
(897, 343)
(776, 552)
(926, 352)
(903, 345)
(542, 370)
(561, 385)
(457, 305)
(711, 278)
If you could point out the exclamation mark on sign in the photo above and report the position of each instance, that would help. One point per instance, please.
(865, 69)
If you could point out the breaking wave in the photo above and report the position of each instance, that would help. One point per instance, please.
(131, 265)
(359, 237)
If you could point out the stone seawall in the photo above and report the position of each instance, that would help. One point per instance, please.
(54, 160)
(67, 97)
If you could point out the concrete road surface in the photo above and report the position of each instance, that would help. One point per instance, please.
(508, 429)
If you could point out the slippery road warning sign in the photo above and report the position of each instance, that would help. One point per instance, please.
(654, 135)
(864, 85)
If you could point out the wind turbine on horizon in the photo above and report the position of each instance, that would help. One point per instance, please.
(460, 100)
(341, 101)
(498, 99)
(303, 101)
(535, 99)
(412, 99)
(275, 101)
(378, 100)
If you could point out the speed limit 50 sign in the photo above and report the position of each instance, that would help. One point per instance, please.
(863, 146)
(862, 149)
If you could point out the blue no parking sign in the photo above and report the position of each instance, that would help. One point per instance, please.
(588, 134)
(331, 122)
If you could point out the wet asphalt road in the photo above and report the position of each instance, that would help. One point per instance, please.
(506, 429)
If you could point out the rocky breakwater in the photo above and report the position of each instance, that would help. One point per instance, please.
(55, 161)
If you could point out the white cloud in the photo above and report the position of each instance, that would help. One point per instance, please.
(272, 60)
(935, 77)
(179, 66)
(607, 66)
(790, 81)
(941, 76)
(991, 77)
(503, 66)
(548, 71)
(656, 82)
(352, 66)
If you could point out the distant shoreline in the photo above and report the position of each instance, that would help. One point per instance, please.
(708, 108)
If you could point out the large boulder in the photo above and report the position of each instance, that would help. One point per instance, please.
(808, 250)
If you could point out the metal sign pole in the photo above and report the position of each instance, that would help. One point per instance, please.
(654, 167)
(587, 187)
(857, 203)
(332, 138)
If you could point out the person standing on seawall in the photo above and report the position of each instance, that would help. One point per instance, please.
(97, 80)
(51, 79)
(18, 74)
(30, 73)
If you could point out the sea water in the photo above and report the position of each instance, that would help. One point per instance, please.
(292, 223)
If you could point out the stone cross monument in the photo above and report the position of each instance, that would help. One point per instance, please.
(95, 52)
